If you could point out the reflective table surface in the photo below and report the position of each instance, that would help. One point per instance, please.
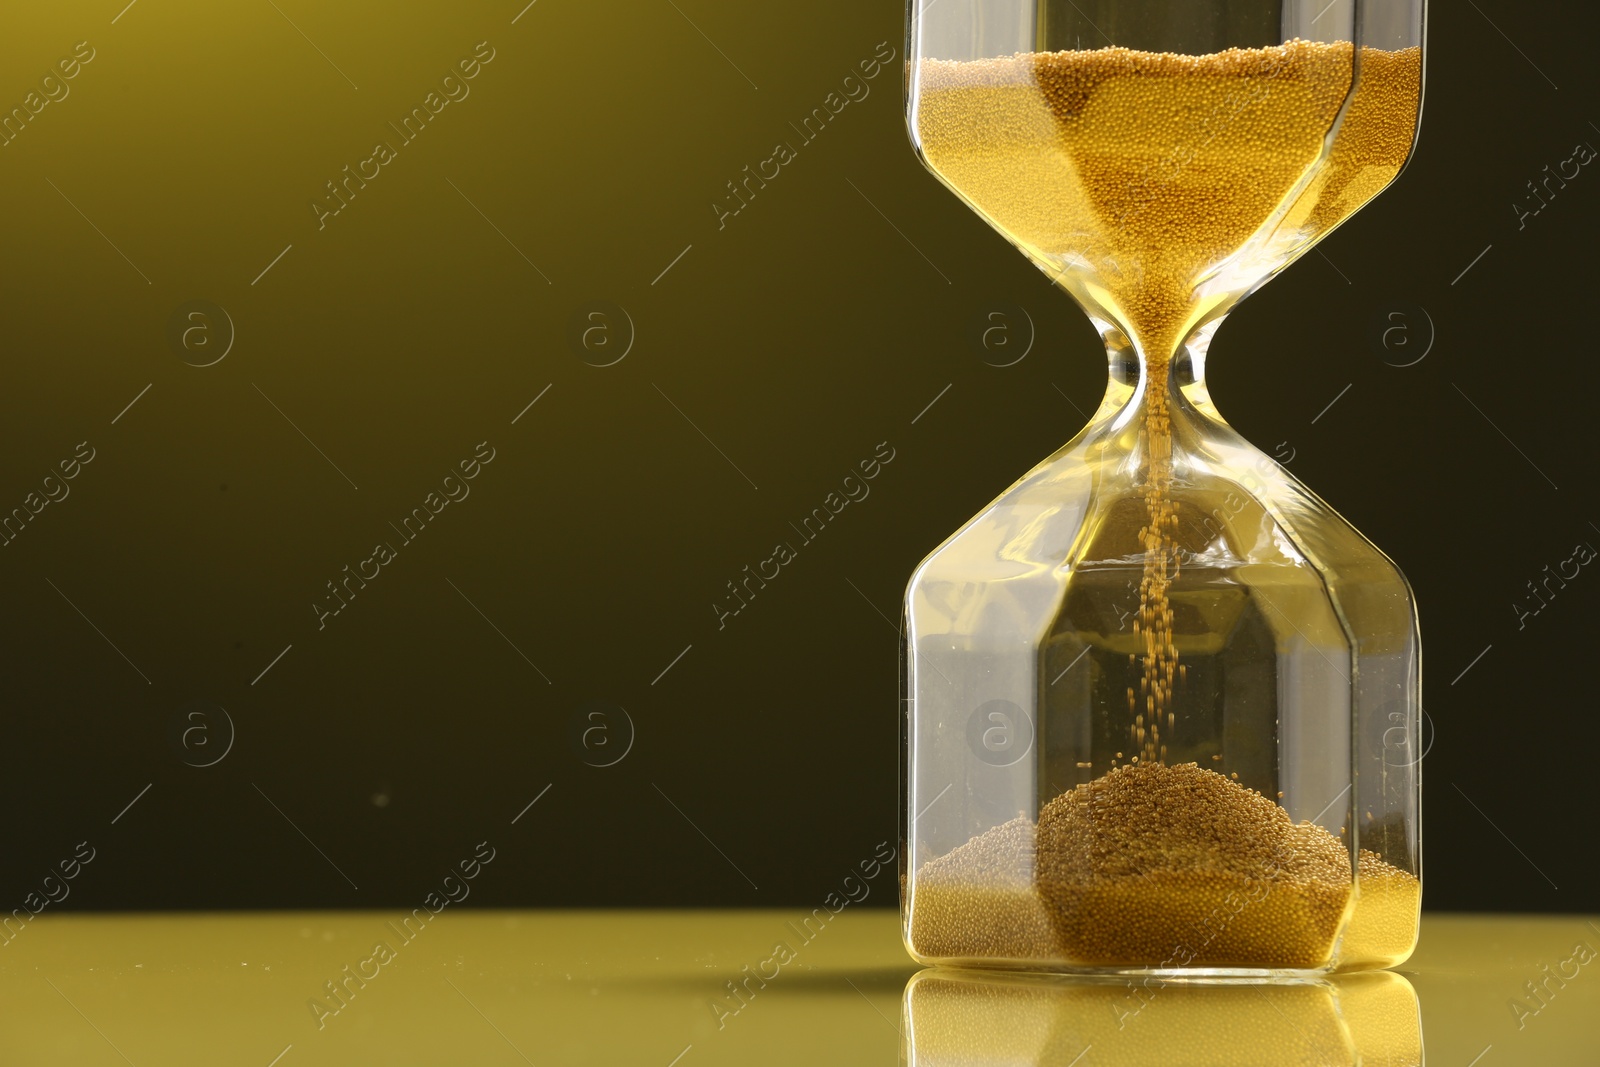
(692, 988)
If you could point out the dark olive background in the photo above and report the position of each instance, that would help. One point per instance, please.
(818, 322)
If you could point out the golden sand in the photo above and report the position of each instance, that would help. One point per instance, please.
(1160, 866)
(1138, 174)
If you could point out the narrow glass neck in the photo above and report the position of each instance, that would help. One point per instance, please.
(1139, 384)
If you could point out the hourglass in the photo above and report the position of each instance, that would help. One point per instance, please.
(1162, 702)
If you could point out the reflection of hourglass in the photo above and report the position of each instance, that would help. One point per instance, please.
(1022, 1021)
(1162, 701)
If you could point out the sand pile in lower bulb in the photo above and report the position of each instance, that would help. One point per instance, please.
(1181, 866)
(979, 900)
(1148, 865)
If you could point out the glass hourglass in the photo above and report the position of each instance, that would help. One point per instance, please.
(1162, 703)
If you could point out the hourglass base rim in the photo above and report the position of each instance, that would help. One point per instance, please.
(1046, 968)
